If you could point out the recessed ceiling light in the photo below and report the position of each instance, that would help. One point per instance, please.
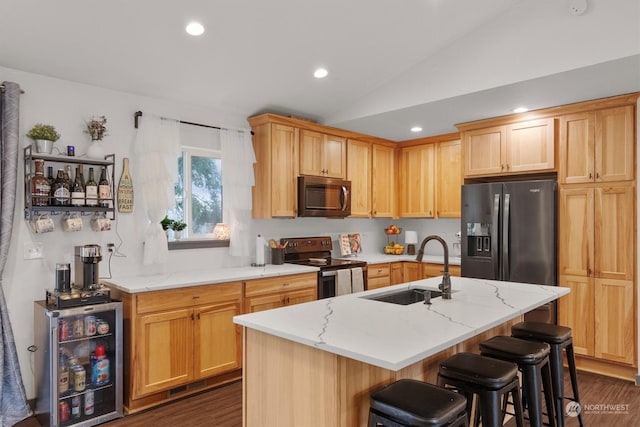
(320, 73)
(416, 129)
(520, 110)
(194, 28)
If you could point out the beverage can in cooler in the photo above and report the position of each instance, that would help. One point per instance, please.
(63, 411)
(63, 326)
(79, 378)
(88, 402)
(89, 325)
(78, 327)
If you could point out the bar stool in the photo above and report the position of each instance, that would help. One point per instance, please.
(415, 403)
(490, 379)
(532, 359)
(559, 338)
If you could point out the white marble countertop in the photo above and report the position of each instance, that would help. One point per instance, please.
(158, 282)
(395, 336)
(374, 258)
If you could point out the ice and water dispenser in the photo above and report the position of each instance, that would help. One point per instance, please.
(478, 239)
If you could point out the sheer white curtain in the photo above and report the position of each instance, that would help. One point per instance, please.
(157, 146)
(237, 179)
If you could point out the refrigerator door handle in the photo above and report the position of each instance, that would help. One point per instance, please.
(505, 238)
(494, 243)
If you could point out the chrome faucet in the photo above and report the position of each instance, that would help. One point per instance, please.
(445, 286)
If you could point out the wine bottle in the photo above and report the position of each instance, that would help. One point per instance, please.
(104, 189)
(91, 190)
(77, 191)
(60, 190)
(50, 175)
(40, 186)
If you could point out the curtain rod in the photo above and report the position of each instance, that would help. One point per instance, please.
(138, 114)
(2, 89)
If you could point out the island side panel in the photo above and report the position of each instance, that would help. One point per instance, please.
(287, 384)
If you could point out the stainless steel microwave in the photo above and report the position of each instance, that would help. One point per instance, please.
(324, 197)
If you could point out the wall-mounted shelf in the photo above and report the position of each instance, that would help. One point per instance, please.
(31, 212)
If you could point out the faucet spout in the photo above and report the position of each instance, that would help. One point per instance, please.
(445, 286)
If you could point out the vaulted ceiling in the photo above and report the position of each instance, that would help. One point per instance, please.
(392, 64)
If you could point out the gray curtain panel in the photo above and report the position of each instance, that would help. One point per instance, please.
(13, 399)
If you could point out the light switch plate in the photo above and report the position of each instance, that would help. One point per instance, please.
(33, 250)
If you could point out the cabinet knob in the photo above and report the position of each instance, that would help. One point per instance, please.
(590, 175)
(501, 167)
(597, 175)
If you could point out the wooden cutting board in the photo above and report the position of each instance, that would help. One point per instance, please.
(125, 189)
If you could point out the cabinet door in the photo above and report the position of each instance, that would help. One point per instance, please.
(577, 161)
(311, 153)
(614, 233)
(284, 187)
(575, 232)
(335, 156)
(448, 179)
(267, 302)
(397, 273)
(576, 311)
(615, 141)
(217, 346)
(615, 320)
(483, 153)
(382, 181)
(417, 175)
(411, 271)
(359, 173)
(530, 146)
(378, 276)
(164, 348)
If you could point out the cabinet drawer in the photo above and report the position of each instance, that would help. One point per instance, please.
(378, 270)
(434, 270)
(378, 282)
(280, 284)
(188, 297)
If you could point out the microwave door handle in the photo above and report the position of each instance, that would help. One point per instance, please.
(345, 195)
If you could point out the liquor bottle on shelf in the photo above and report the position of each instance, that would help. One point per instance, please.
(104, 189)
(60, 190)
(91, 190)
(40, 186)
(77, 191)
(50, 175)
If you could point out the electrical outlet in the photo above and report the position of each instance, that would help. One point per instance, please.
(33, 250)
(110, 247)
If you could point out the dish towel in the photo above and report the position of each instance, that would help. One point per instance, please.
(343, 282)
(357, 280)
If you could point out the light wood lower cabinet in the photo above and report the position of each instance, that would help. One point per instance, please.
(435, 270)
(274, 292)
(378, 275)
(179, 341)
(410, 271)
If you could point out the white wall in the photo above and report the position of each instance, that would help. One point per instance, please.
(67, 105)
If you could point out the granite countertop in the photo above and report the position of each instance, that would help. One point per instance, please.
(394, 336)
(374, 258)
(159, 282)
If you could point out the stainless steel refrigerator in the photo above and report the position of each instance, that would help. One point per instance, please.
(509, 233)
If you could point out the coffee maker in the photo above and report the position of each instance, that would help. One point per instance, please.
(87, 273)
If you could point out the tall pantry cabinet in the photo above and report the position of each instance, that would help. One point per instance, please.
(597, 234)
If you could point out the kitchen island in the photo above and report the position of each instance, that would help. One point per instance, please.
(316, 363)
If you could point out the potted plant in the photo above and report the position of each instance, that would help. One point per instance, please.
(97, 129)
(177, 227)
(44, 136)
(166, 224)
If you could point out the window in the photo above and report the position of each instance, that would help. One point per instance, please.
(199, 187)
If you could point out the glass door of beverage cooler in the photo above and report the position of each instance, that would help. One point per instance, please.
(78, 364)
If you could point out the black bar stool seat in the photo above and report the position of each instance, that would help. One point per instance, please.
(408, 402)
(532, 358)
(559, 338)
(489, 378)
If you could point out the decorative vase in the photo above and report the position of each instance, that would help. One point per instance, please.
(95, 150)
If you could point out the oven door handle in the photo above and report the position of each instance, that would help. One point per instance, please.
(329, 273)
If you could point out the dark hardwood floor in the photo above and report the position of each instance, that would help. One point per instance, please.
(222, 407)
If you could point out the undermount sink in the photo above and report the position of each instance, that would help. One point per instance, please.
(404, 296)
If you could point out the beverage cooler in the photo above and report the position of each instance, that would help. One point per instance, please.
(78, 364)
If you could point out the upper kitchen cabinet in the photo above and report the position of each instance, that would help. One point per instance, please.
(597, 146)
(417, 181)
(383, 198)
(510, 148)
(276, 169)
(359, 173)
(430, 177)
(322, 154)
